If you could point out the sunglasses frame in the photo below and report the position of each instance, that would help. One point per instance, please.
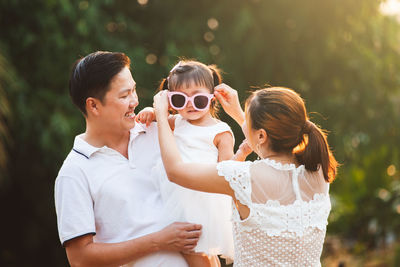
(191, 99)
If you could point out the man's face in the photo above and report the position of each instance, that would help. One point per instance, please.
(117, 110)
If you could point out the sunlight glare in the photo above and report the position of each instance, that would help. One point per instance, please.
(390, 7)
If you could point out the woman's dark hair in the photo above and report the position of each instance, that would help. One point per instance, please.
(190, 72)
(282, 114)
(91, 76)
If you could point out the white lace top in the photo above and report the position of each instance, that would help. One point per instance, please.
(289, 208)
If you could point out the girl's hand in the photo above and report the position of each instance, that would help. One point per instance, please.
(161, 104)
(243, 151)
(245, 148)
(146, 115)
(228, 97)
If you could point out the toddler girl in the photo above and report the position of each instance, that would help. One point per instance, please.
(201, 138)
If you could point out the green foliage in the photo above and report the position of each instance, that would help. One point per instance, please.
(342, 56)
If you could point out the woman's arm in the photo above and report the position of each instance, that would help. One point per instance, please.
(201, 177)
(229, 100)
(82, 251)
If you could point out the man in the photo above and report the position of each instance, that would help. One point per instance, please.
(107, 207)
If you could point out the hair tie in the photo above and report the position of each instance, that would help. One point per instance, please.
(175, 67)
(308, 125)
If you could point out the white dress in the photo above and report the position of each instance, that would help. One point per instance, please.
(289, 208)
(212, 211)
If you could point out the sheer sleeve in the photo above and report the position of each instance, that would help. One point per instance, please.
(237, 174)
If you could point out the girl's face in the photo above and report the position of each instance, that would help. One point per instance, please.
(189, 112)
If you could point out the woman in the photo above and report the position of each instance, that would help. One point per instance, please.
(281, 201)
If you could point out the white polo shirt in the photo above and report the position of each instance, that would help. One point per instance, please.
(99, 191)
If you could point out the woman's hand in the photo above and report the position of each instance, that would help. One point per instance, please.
(228, 97)
(161, 104)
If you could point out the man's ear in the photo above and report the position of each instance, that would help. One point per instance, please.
(92, 106)
(262, 136)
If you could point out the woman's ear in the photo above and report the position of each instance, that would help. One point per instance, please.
(262, 136)
(92, 106)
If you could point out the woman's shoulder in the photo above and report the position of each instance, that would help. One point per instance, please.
(233, 168)
(271, 163)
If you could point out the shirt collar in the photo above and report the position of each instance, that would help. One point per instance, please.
(84, 148)
(139, 128)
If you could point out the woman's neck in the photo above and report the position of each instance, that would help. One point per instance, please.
(281, 157)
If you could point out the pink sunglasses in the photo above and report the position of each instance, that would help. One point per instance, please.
(200, 101)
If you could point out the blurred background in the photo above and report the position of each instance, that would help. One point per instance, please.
(342, 56)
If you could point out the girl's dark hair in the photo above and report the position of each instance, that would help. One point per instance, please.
(91, 76)
(190, 72)
(282, 114)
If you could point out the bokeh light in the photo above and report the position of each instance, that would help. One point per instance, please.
(143, 2)
(151, 59)
(209, 36)
(112, 26)
(214, 50)
(384, 194)
(391, 170)
(83, 5)
(212, 23)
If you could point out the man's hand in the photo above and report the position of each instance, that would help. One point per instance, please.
(180, 236)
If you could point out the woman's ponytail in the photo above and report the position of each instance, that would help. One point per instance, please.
(316, 151)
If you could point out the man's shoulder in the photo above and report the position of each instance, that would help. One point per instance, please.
(73, 164)
(146, 145)
(146, 133)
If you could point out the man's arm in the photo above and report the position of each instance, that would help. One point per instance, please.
(82, 251)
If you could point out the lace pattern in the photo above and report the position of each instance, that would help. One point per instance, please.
(238, 178)
(275, 234)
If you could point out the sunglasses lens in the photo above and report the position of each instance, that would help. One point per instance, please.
(201, 101)
(177, 101)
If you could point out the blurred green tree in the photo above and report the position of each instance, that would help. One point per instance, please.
(4, 114)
